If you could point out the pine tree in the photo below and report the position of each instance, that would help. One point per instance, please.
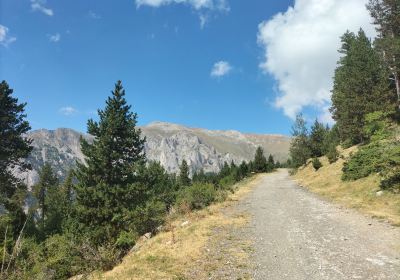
(108, 186)
(386, 15)
(67, 191)
(299, 147)
(244, 169)
(317, 137)
(47, 186)
(360, 87)
(14, 149)
(260, 162)
(184, 179)
(270, 163)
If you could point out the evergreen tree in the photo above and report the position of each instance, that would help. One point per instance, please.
(244, 169)
(108, 187)
(225, 171)
(360, 87)
(270, 163)
(14, 148)
(67, 191)
(386, 15)
(299, 147)
(184, 179)
(317, 138)
(47, 186)
(260, 162)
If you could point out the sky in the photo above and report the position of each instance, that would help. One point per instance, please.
(217, 64)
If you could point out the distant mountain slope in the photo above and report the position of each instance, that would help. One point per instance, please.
(167, 143)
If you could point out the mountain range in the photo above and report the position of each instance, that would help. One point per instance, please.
(165, 142)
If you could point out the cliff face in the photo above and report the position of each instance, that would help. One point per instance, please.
(167, 143)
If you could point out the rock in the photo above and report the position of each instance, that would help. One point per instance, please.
(379, 193)
(148, 235)
(185, 223)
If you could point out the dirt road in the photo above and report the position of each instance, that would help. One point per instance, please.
(298, 235)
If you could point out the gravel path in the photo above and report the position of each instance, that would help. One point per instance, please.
(297, 235)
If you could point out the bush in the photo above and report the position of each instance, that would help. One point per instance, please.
(332, 154)
(316, 164)
(196, 196)
(126, 240)
(378, 157)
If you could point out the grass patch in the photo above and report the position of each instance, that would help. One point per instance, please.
(360, 194)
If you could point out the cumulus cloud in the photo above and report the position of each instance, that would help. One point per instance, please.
(55, 38)
(68, 111)
(5, 38)
(300, 49)
(39, 5)
(220, 69)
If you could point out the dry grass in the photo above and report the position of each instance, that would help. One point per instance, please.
(172, 252)
(360, 194)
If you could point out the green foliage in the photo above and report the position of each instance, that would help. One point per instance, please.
(184, 179)
(361, 86)
(49, 202)
(196, 196)
(381, 157)
(386, 15)
(332, 153)
(126, 240)
(260, 162)
(377, 126)
(317, 137)
(316, 164)
(108, 185)
(14, 148)
(299, 147)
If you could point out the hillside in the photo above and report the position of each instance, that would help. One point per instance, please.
(167, 143)
(364, 194)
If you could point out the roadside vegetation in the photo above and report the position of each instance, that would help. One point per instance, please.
(365, 107)
(93, 218)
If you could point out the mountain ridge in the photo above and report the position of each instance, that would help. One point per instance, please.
(167, 143)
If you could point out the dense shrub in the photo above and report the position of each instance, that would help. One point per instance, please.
(332, 154)
(197, 196)
(316, 164)
(378, 157)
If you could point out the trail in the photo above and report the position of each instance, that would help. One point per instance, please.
(298, 235)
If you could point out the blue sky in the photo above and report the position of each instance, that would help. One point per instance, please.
(179, 62)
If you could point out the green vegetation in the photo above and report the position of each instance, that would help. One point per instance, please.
(316, 164)
(95, 216)
(365, 106)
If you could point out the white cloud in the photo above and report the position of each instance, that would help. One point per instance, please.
(5, 39)
(301, 49)
(39, 5)
(196, 4)
(55, 38)
(220, 69)
(68, 111)
(203, 20)
(94, 15)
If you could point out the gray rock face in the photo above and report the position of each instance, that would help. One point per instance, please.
(167, 143)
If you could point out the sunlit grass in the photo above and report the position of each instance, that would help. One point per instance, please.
(360, 194)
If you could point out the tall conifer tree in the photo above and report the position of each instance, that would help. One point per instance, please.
(14, 149)
(360, 87)
(108, 186)
(184, 179)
